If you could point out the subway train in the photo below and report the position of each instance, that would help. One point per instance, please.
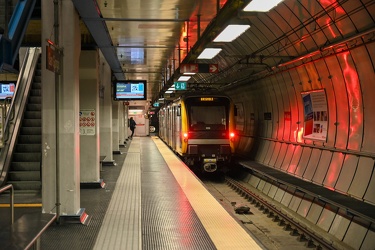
(199, 127)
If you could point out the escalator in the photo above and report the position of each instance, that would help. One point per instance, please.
(20, 158)
(24, 172)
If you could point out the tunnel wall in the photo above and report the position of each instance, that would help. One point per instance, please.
(272, 124)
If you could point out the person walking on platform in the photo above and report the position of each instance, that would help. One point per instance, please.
(132, 126)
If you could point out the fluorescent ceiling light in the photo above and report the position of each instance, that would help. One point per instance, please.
(188, 73)
(168, 91)
(184, 78)
(231, 32)
(209, 53)
(171, 88)
(261, 5)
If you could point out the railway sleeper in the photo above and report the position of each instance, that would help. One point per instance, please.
(287, 227)
(310, 244)
(281, 222)
(271, 214)
(295, 232)
(302, 237)
(276, 218)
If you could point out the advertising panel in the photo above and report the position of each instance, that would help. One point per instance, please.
(315, 115)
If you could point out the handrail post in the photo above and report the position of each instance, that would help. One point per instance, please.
(11, 203)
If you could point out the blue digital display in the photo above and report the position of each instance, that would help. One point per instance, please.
(130, 90)
(6, 89)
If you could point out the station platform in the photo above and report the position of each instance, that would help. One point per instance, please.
(151, 200)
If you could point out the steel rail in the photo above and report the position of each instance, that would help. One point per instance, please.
(297, 229)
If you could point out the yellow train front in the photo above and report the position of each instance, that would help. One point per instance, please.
(200, 128)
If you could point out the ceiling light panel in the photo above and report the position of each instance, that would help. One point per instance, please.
(261, 5)
(209, 53)
(231, 32)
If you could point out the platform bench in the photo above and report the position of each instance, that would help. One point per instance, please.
(26, 231)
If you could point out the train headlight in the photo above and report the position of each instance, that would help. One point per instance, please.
(231, 136)
(185, 135)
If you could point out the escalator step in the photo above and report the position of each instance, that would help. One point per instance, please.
(25, 166)
(28, 148)
(24, 176)
(35, 99)
(31, 131)
(33, 139)
(32, 115)
(34, 107)
(26, 185)
(27, 157)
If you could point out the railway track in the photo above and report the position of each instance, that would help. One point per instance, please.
(272, 226)
(311, 239)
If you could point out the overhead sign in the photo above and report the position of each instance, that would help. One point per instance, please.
(189, 68)
(199, 68)
(180, 85)
(52, 59)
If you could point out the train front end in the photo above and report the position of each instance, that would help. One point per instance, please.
(207, 132)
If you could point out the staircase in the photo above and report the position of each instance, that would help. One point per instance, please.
(25, 168)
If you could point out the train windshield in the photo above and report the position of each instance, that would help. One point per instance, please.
(209, 115)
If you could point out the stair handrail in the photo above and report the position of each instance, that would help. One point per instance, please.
(17, 107)
(11, 200)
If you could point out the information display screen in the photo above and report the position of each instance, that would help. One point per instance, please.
(7, 89)
(130, 90)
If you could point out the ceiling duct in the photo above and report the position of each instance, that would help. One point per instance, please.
(90, 13)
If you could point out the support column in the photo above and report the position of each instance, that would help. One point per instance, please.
(89, 120)
(115, 128)
(48, 115)
(121, 119)
(105, 118)
(68, 144)
(62, 167)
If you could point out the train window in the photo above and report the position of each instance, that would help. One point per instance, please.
(208, 117)
(179, 110)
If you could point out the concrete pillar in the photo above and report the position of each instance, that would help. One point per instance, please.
(61, 159)
(121, 119)
(49, 120)
(89, 118)
(105, 118)
(69, 147)
(115, 127)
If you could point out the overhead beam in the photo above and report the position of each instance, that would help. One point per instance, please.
(90, 13)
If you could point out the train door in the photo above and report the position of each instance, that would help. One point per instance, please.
(177, 137)
(169, 125)
(173, 114)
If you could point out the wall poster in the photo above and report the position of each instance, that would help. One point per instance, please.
(87, 124)
(315, 115)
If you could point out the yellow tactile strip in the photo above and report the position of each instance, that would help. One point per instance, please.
(224, 230)
(121, 228)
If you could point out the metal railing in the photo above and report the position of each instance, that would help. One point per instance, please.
(11, 201)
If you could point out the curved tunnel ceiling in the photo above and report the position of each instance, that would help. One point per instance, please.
(149, 39)
(292, 34)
